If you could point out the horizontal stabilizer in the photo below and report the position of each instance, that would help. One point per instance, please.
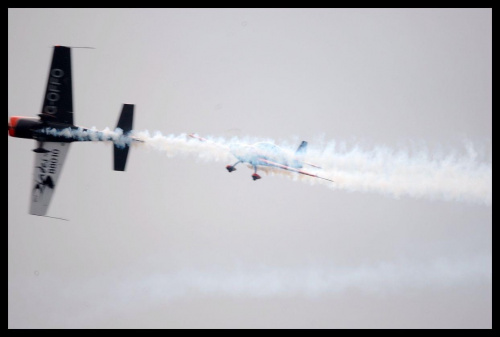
(126, 118)
(120, 155)
(120, 151)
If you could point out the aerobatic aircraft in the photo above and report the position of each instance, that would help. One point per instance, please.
(53, 130)
(270, 155)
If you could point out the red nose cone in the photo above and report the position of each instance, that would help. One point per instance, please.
(12, 126)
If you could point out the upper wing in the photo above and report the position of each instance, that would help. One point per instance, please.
(193, 135)
(48, 166)
(210, 142)
(271, 163)
(58, 99)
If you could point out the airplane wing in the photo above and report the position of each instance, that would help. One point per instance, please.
(48, 166)
(195, 136)
(288, 168)
(58, 99)
(208, 141)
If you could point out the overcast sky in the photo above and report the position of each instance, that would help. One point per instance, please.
(178, 242)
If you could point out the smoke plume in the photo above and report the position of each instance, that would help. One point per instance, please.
(453, 175)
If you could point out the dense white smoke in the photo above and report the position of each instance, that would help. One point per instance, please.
(81, 134)
(464, 175)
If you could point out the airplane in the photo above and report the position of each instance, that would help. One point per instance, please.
(53, 130)
(270, 155)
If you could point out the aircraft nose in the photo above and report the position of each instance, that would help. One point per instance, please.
(12, 125)
(11, 130)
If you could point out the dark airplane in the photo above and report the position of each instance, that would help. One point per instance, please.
(54, 131)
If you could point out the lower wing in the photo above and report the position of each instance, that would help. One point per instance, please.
(288, 168)
(49, 159)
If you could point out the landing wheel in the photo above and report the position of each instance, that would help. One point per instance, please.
(255, 176)
(230, 168)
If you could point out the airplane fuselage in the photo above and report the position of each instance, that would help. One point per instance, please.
(257, 155)
(34, 128)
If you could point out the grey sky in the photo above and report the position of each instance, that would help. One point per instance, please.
(177, 242)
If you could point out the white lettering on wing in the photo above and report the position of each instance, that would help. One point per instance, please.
(52, 95)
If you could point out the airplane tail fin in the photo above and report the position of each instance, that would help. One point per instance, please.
(301, 149)
(120, 151)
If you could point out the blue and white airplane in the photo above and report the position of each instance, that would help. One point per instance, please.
(270, 155)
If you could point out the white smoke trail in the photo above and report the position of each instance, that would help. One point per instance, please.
(82, 134)
(435, 175)
(419, 173)
(320, 280)
(138, 287)
(183, 145)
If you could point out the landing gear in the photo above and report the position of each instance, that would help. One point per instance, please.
(40, 150)
(255, 176)
(231, 168)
